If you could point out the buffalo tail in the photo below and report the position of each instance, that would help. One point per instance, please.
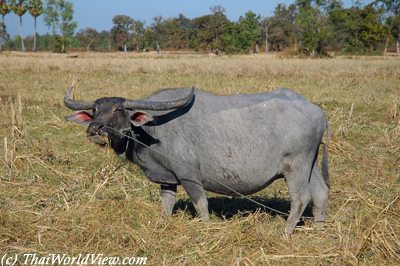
(325, 167)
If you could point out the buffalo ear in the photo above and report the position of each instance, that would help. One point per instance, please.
(81, 117)
(140, 118)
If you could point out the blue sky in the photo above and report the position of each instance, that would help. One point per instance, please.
(98, 14)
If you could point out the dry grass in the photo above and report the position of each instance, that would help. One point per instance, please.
(60, 193)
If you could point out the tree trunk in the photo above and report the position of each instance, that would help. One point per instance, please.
(2, 32)
(398, 43)
(109, 45)
(88, 46)
(34, 36)
(266, 40)
(22, 36)
(53, 40)
(62, 44)
(386, 45)
(158, 48)
(125, 50)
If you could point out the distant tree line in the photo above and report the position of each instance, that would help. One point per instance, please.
(310, 27)
(58, 15)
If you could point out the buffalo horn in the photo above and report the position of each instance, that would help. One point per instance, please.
(159, 106)
(76, 105)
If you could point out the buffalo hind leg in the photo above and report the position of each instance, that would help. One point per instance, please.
(319, 194)
(300, 196)
(168, 199)
(198, 197)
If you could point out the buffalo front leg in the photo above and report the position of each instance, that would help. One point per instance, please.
(168, 198)
(197, 194)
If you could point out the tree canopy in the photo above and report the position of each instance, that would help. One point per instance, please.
(309, 27)
(121, 30)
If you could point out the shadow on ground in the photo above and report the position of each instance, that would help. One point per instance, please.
(226, 208)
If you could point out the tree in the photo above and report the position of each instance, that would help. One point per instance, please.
(249, 31)
(59, 15)
(67, 24)
(103, 41)
(392, 13)
(396, 32)
(212, 32)
(159, 31)
(357, 29)
(342, 21)
(149, 38)
(200, 36)
(185, 26)
(4, 10)
(217, 9)
(44, 42)
(35, 9)
(371, 30)
(4, 36)
(308, 20)
(120, 31)
(218, 22)
(87, 36)
(176, 32)
(282, 28)
(314, 29)
(19, 8)
(137, 28)
(51, 18)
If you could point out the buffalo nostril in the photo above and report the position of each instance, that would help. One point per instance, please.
(94, 128)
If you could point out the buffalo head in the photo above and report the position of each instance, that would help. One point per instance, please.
(106, 118)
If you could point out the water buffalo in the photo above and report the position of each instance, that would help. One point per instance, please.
(224, 144)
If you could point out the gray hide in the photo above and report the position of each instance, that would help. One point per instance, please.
(243, 142)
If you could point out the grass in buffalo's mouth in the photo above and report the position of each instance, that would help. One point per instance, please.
(61, 193)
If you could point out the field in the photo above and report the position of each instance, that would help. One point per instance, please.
(59, 193)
